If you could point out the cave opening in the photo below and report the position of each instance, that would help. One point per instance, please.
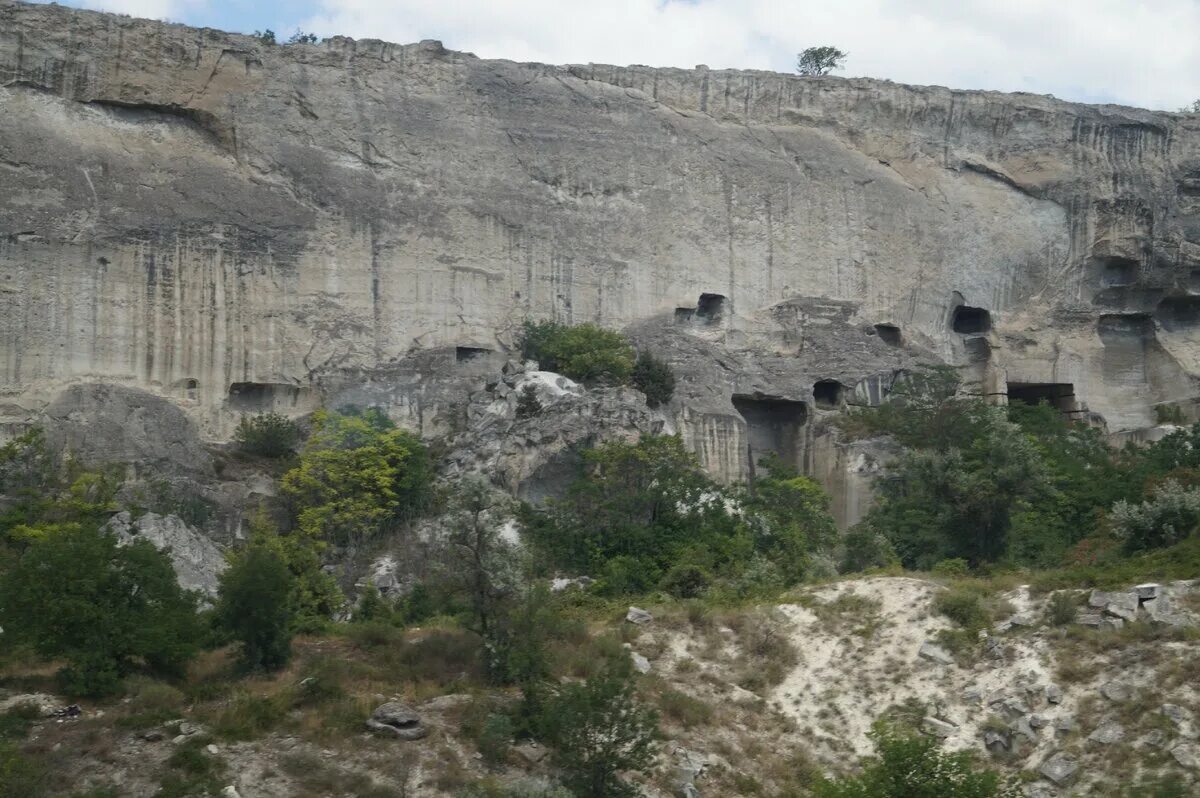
(260, 397)
(465, 354)
(827, 394)
(1178, 312)
(191, 384)
(971, 321)
(889, 334)
(711, 307)
(1115, 271)
(1060, 395)
(773, 426)
(1194, 281)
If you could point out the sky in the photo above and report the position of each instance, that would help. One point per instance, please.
(1134, 52)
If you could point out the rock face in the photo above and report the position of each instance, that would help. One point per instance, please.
(197, 561)
(397, 720)
(236, 227)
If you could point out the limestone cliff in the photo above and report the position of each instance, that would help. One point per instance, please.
(236, 226)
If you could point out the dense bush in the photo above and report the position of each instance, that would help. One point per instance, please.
(582, 352)
(253, 606)
(644, 514)
(358, 475)
(78, 596)
(528, 403)
(1169, 516)
(267, 435)
(1022, 485)
(909, 765)
(599, 730)
(653, 377)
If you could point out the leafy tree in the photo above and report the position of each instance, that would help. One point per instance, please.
(910, 765)
(265, 36)
(816, 61)
(78, 596)
(358, 475)
(300, 37)
(314, 595)
(653, 377)
(253, 605)
(966, 471)
(582, 352)
(481, 564)
(267, 435)
(21, 776)
(599, 730)
(1193, 108)
(788, 516)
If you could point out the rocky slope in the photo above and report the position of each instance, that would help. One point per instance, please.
(235, 227)
(752, 702)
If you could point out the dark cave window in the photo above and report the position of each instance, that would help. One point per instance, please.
(888, 333)
(711, 307)
(971, 321)
(827, 394)
(773, 426)
(463, 354)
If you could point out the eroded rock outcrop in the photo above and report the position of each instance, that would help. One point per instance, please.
(237, 227)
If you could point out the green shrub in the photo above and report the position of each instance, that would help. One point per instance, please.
(249, 716)
(21, 776)
(1061, 609)
(952, 567)
(582, 352)
(911, 765)
(78, 596)
(1171, 515)
(267, 435)
(599, 731)
(252, 605)
(653, 377)
(528, 404)
(495, 739)
(15, 722)
(686, 580)
(962, 606)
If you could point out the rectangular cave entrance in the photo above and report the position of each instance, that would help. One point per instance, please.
(262, 397)
(465, 354)
(773, 426)
(1057, 394)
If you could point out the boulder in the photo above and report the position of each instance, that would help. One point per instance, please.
(230, 792)
(640, 663)
(1089, 618)
(1107, 734)
(1059, 768)
(938, 727)
(638, 616)
(1179, 715)
(1149, 590)
(1187, 755)
(1111, 624)
(1116, 691)
(1054, 694)
(995, 742)
(1064, 724)
(935, 653)
(397, 720)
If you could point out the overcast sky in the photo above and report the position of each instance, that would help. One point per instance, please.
(1143, 53)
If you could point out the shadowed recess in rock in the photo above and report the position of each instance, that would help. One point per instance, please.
(1178, 312)
(827, 394)
(971, 321)
(1060, 395)
(773, 426)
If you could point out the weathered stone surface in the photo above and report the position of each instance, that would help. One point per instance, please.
(237, 227)
(1060, 768)
(1107, 734)
(640, 663)
(1116, 691)
(938, 727)
(1187, 754)
(935, 653)
(638, 616)
(397, 720)
(198, 562)
(1054, 694)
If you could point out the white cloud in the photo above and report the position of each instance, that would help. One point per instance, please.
(1131, 51)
